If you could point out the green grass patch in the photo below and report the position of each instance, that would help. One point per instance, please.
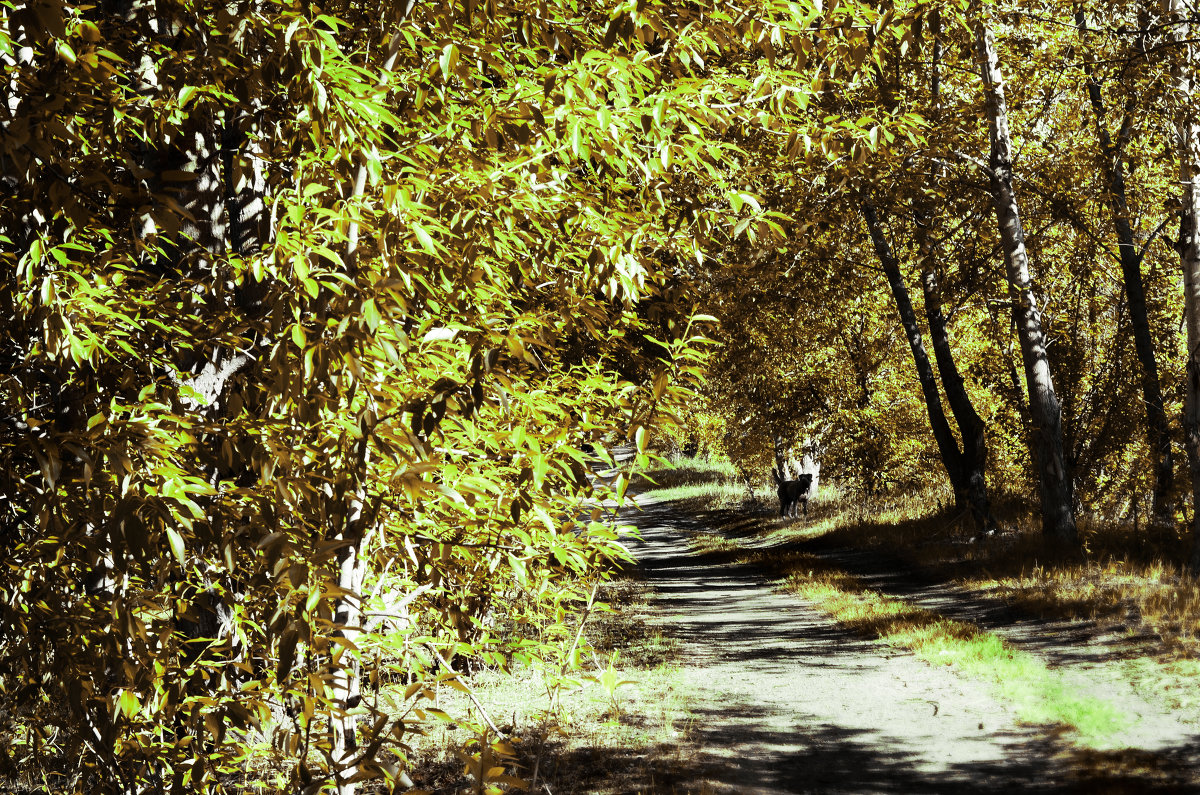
(694, 484)
(1038, 693)
(679, 471)
(699, 495)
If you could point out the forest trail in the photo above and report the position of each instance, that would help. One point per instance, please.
(785, 701)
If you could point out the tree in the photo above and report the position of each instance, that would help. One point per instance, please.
(963, 466)
(1058, 519)
(1113, 161)
(1188, 142)
(973, 455)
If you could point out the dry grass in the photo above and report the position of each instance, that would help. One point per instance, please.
(1141, 596)
(712, 544)
(1038, 694)
(1124, 579)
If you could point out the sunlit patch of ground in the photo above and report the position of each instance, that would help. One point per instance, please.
(617, 725)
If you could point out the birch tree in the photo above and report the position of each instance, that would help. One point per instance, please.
(1057, 498)
(1187, 130)
(1113, 155)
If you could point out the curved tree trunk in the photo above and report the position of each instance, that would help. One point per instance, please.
(1157, 431)
(973, 459)
(971, 430)
(1057, 497)
(947, 445)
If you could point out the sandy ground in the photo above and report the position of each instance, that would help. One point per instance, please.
(784, 701)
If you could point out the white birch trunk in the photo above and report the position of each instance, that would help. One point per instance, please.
(810, 464)
(353, 566)
(1188, 144)
(1057, 498)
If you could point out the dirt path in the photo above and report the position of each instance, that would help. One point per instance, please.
(785, 701)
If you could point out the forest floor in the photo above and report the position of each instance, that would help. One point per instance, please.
(728, 672)
(769, 694)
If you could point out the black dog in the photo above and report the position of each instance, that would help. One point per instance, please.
(793, 493)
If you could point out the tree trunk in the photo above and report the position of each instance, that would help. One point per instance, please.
(973, 459)
(1157, 431)
(1188, 141)
(947, 445)
(353, 562)
(810, 464)
(971, 430)
(783, 464)
(346, 678)
(244, 165)
(1058, 516)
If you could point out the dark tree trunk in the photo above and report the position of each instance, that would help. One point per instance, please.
(947, 446)
(1057, 497)
(1157, 431)
(971, 430)
(973, 458)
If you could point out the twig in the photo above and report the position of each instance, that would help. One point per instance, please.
(470, 693)
(984, 167)
(579, 633)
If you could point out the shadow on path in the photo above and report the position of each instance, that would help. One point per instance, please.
(783, 701)
(1060, 642)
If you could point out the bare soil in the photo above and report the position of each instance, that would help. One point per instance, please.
(782, 700)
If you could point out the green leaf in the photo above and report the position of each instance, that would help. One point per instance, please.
(371, 316)
(424, 238)
(175, 540)
(65, 52)
(448, 60)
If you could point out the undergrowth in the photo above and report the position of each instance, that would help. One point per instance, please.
(614, 724)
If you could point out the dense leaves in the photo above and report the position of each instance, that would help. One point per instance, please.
(319, 321)
(310, 317)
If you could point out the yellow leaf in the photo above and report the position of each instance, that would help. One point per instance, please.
(660, 385)
(128, 704)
